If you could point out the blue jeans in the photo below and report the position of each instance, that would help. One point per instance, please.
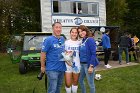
(55, 79)
(90, 79)
(125, 49)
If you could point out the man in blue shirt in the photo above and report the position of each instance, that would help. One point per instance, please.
(51, 51)
(107, 47)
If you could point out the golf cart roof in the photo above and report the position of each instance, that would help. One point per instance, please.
(106, 27)
(37, 33)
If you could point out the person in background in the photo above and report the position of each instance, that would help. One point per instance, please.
(136, 40)
(88, 59)
(136, 47)
(107, 47)
(123, 45)
(55, 67)
(132, 48)
(72, 77)
(80, 11)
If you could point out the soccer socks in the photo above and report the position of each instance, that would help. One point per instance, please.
(68, 90)
(74, 89)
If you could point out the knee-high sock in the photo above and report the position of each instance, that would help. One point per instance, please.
(74, 89)
(68, 90)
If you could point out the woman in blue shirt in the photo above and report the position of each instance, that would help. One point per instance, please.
(88, 59)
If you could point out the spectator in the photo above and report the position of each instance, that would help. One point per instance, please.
(55, 67)
(132, 48)
(124, 44)
(88, 59)
(80, 11)
(107, 47)
(136, 40)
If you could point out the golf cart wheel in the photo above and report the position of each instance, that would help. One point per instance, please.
(22, 67)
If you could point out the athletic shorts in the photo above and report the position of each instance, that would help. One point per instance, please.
(69, 69)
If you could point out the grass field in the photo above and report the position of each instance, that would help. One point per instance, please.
(120, 80)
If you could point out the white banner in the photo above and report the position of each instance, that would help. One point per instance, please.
(76, 21)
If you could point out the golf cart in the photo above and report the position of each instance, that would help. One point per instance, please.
(25, 49)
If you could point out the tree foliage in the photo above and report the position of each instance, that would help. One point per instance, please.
(18, 16)
(124, 13)
(132, 18)
(116, 10)
(7, 8)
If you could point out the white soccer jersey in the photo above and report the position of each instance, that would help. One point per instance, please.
(74, 47)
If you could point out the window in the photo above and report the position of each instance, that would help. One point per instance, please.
(66, 7)
(55, 7)
(75, 7)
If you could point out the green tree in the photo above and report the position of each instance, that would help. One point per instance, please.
(116, 10)
(18, 16)
(132, 18)
(7, 8)
(28, 17)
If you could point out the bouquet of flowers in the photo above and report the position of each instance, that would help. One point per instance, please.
(68, 57)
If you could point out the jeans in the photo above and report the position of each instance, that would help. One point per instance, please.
(55, 79)
(90, 79)
(125, 49)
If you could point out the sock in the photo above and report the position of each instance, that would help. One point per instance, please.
(68, 90)
(74, 89)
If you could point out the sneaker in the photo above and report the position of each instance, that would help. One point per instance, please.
(109, 66)
(127, 63)
(106, 66)
(120, 63)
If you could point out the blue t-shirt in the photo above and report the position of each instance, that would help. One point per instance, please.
(53, 48)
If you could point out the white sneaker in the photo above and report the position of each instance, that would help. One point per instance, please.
(109, 66)
(106, 66)
(127, 63)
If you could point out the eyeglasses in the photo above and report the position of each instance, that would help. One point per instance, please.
(59, 42)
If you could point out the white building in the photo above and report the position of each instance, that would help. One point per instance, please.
(72, 13)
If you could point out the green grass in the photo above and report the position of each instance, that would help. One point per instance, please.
(120, 80)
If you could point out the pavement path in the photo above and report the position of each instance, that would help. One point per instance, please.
(114, 64)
